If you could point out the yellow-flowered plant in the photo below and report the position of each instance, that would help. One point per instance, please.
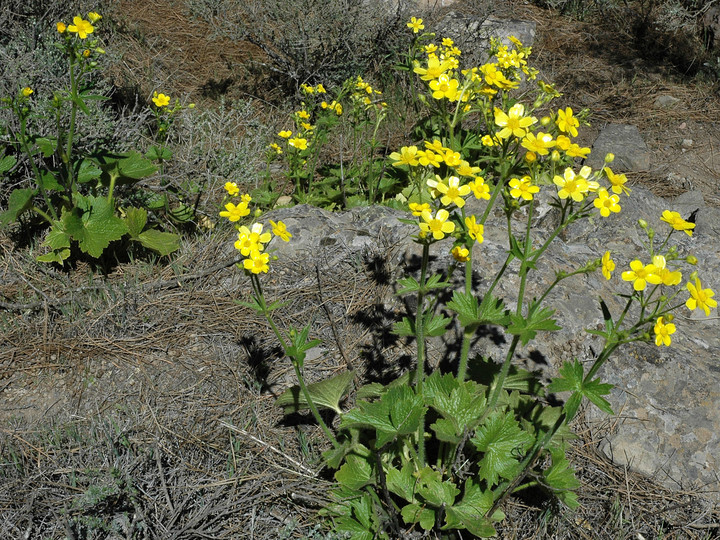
(74, 191)
(438, 451)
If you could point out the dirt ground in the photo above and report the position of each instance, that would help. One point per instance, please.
(162, 357)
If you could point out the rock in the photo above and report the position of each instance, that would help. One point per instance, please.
(666, 102)
(667, 398)
(472, 34)
(625, 141)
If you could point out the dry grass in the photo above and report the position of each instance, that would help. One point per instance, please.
(140, 404)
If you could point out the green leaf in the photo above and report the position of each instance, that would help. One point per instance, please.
(398, 412)
(94, 228)
(46, 146)
(87, 170)
(434, 490)
(471, 314)
(135, 219)
(19, 201)
(163, 243)
(326, 394)
(572, 379)
(78, 100)
(560, 478)
(503, 443)
(436, 325)
(527, 328)
(126, 168)
(469, 512)
(299, 343)
(402, 482)
(355, 473)
(7, 163)
(59, 241)
(155, 153)
(407, 285)
(49, 181)
(416, 513)
(404, 328)
(182, 213)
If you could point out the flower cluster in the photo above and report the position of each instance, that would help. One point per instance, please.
(662, 272)
(251, 241)
(76, 37)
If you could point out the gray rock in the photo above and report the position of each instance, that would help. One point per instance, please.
(667, 400)
(666, 102)
(472, 34)
(625, 141)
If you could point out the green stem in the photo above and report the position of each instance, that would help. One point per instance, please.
(257, 289)
(467, 335)
(67, 158)
(36, 171)
(420, 336)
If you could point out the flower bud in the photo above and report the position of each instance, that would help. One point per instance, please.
(609, 157)
(531, 157)
(27, 91)
(668, 317)
(93, 64)
(99, 50)
(86, 53)
(191, 106)
(545, 120)
(61, 27)
(257, 213)
(691, 259)
(643, 224)
(555, 155)
(694, 276)
(663, 299)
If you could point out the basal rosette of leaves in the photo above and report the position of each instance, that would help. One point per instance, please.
(75, 193)
(440, 452)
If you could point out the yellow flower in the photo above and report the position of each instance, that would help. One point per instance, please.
(320, 89)
(700, 298)
(433, 70)
(429, 157)
(465, 169)
(479, 188)
(475, 230)
(430, 48)
(452, 192)
(488, 140)
(571, 185)
(513, 123)
(26, 91)
(539, 143)
(408, 155)
(641, 275)
(522, 188)
(94, 17)
(495, 77)
(444, 87)
(667, 277)
(298, 142)
(416, 25)
(303, 114)
(576, 151)
(677, 222)
(280, 229)
(452, 159)
(663, 332)
(608, 265)
(61, 27)
(460, 253)
(232, 188)
(567, 123)
(257, 262)
(81, 27)
(285, 134)
(617, 181)
(417, 209)
(607, 203)
(276, 147)
(160, 100)
(438, 225)
(234, 213)
(447, 42)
